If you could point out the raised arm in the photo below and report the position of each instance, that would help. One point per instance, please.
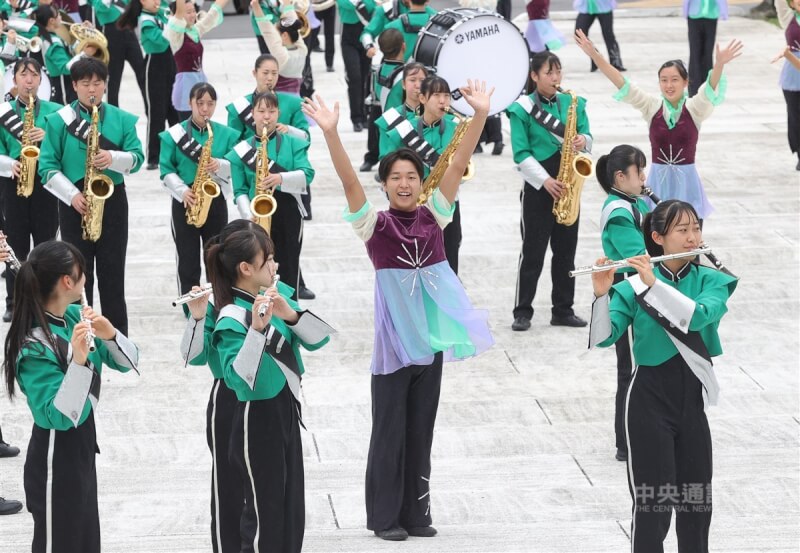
(479, 99)
(327, 121)
(725, 55)
(607, 69)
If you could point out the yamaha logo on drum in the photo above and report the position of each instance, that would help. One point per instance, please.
(483, 32)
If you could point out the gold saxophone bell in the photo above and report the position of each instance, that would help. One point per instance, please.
(204, 187)
(263, 205)
(101, 187)
(89, 36)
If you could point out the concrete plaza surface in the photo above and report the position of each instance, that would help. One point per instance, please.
(523, 456)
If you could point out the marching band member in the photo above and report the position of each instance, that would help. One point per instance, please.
(260, 361)
(55, 351)
(541, 34)
(62, 166)
(537, 123)
(35, 215)
(182, 148)
(414, 74)
(384, 13)
(159, 70)
(227, 497)
(675, 309)
(789, 18)
(701, 19)
(355, 14)
(325, 11)
(57, 55)
(419, 323)
(621, 176)
(290, 174)
(271, 13)
(284, 43)
(291, 120)
(588, 11)
(411, 23)
(674, 121)
(122, 46)
(184, 30)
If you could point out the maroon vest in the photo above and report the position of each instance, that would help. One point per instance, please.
(793, 35)
(676, 146)
(189, 59)
(413, 237)
(538, 9)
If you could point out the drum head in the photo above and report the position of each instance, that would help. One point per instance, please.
(44, 87)
(488, 48)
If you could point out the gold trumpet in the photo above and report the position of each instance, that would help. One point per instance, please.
(89, 36)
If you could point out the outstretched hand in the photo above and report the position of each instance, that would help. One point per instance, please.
(584, 43)
(321, 114)
(476, 96)
(732, 51)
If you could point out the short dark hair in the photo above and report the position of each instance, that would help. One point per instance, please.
(88, 67)
(201, 89)
(412, 68)
(391, 43)
(402, 154)
(537, 62)
(27, 63)
(620, 158)
(662, 219)
(677, 64)
(434, 84)
(268, 98)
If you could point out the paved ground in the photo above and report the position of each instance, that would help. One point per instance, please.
(523, 454)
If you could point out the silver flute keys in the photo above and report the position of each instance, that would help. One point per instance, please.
(265, 306)
(12, 260)
(89, 335)
(192, 295)
(589, 269)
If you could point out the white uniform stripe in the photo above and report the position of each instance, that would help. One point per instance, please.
(522, 248)
(214, 453)
(630, 456)
(250, 475)
(48, 504)
(149, 106)
(177, 253)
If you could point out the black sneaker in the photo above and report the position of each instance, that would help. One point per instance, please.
(521, 323)
(152, 166)
(622, 455)
(392, 534)
(498, 148)
(358, 126)
(9, 506)
(422, 531)
(7, 315)
(569, 320)
(305, 294)
(366, 167)
(7, 450)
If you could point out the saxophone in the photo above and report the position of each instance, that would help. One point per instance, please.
(97, 186)
(204, 187)
(574, 169)
(29, 154)
(264, 204)
(438, 169)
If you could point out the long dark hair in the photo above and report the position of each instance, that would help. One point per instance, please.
(662, 219)
(33, 285)
(539, 60)
(618, 159)
(239, 241)
(42, 15)
(130, 17)
(433, 84)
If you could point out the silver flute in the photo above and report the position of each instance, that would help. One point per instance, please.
(589, 269)
(265, 306)
(12, 260)
(89, 335)
(205, 290)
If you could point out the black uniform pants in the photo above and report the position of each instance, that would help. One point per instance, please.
(492, 130)
(34, 217)
(373, 139)
(792, 98)
(287, 235)
(123, 46)
(227, 492)
(584, 22)
(62, 90)
(624, 370)
(669, 458)
(266, 450)
(356, 69)
(452, 238)
(702, 38)
(61, 465)
(328, 20)
(539, 227)
(404, 406)
(262, 44)
(190, 241)
(159, 79)
(107, 255)
(504, 9)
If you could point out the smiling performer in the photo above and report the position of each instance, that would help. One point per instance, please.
(675, 309)
(674, 121)
(422, 317)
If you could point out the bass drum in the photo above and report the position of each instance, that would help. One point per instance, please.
(44, 87)
(470, 43)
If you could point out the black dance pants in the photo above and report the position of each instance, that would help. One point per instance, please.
(452, 238)
(669, 458)
(266, 450)
(584, 22)
(123, 46)
(107, 255)
(287, 235)
(539, 228)
(702, 37)
(34, 217)
(61, 489)
(404, 406)
(356, 70)
(328, 20)
(159, 78)
(190, 241)
(372, 155)
(227, 491)
(792, 98)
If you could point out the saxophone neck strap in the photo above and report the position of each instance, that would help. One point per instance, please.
(413, 139)
(10, 121)
(245, 112)
(553, 124)
(79, 127)
(187, 145)
(249, 154)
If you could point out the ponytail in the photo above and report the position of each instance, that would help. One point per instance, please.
(42, 15)
(33, 286)
(130, 17)
(620, 158)
(661, 220)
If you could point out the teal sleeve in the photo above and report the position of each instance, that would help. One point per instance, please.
(621, 310)
(376, 25)
(52, 147)
(152, 39)
(716, 96)
(238, 175)
(56, 59)
(5, 148)
(520, 145)
(40, 378)
(583, 118)
(711, 303)
(130, 141)
(300, 160)
(622, 233)
(167, 161)
(350, 217)
(233, 120)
